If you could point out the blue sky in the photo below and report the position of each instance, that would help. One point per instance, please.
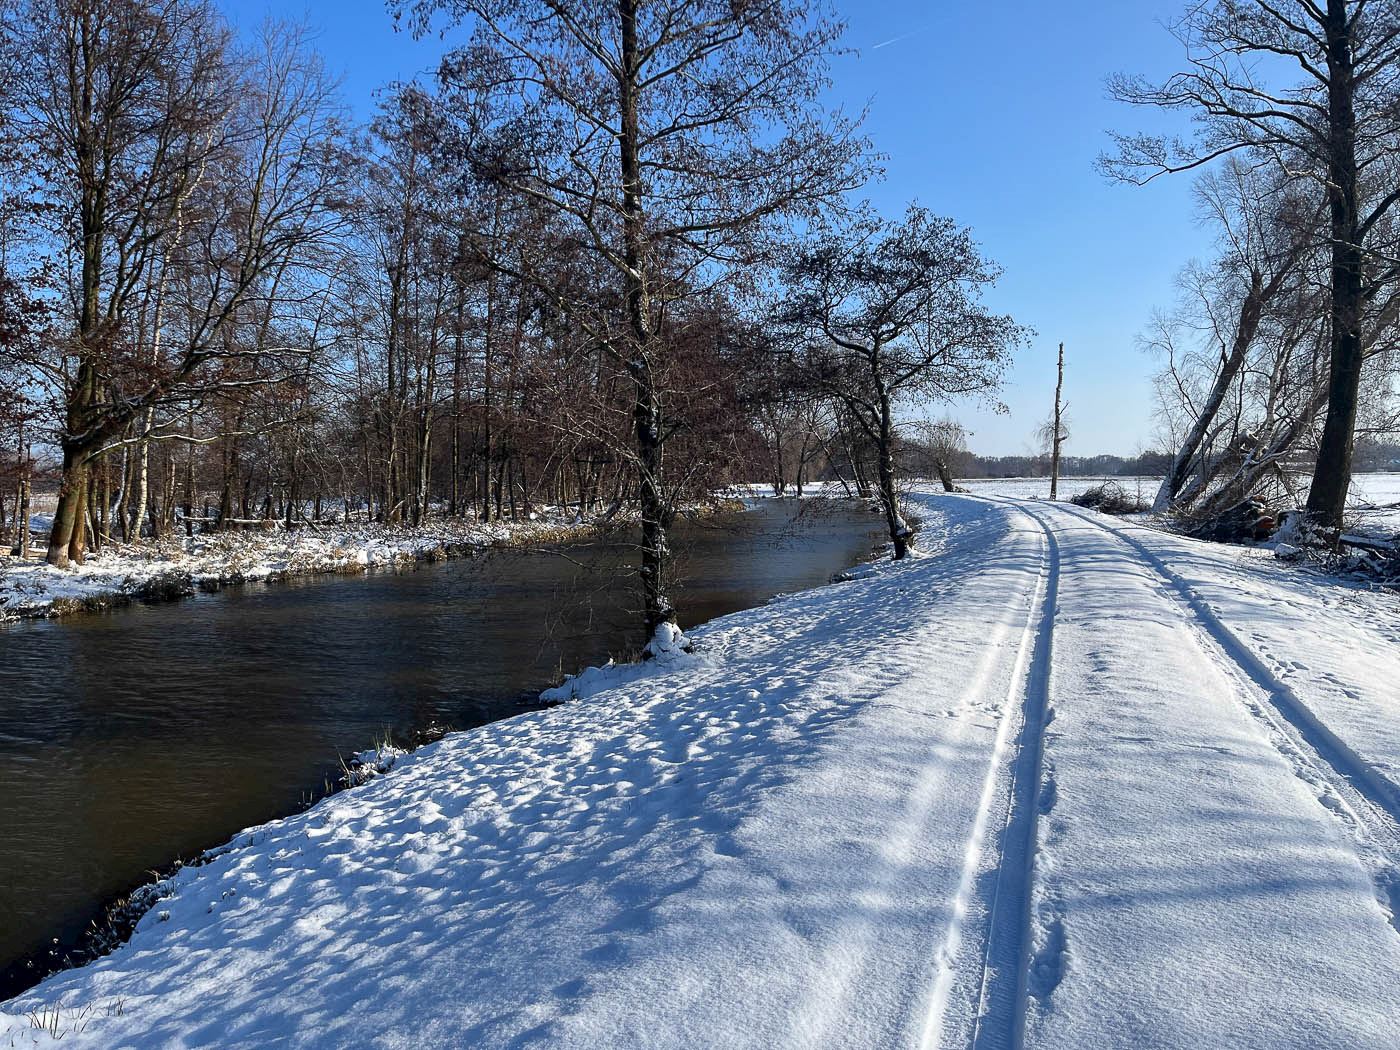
(992, 114)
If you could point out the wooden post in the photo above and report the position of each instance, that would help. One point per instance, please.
(1058, 436)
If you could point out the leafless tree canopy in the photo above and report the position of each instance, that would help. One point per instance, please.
(544, 277)
(1310, 91)
(890, 313)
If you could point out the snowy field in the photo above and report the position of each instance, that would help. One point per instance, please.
(1375, 499)
(33, 588)
(1061, 782)
(1039, 488)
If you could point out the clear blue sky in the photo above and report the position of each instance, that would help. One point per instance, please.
(992, 114)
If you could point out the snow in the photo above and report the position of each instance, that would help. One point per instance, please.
(667, 643)
(32, 588)
(1062, 781)
(1373, 500)
(1185, 833)
(1039, 488)
(365, 765)
(1375, 503)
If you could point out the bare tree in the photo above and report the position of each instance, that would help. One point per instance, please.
(171, 156)
(127, 100)
(942, 444)
(667, 140)
(1332, 119)
(890, 313)
(1245, 378)
(22, 310)
(1266, 231)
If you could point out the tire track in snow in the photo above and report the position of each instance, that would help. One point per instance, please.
(1002, 884)
(848, 966)
(1362, 800)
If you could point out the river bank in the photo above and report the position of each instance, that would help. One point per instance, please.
(180, 566)
(157, 730)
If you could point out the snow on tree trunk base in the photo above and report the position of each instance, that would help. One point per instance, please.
(1298, 530)
(669, 648)
(667, 642)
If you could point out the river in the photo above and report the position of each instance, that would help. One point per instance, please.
(152, 732)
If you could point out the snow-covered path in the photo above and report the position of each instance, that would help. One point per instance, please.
(1062, 781)
(1208, 874)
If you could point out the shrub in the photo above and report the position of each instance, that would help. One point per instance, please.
(1110, 498)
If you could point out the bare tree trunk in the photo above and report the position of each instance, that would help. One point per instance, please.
(647, 414)
(189, 475)
(117, 506)
(1265, 457)
(143, 475)
(23, 515)
(510, 488)
(65, 538)
(68, 538)
(488, 389)
(90, 513)
(22, 497)
(148, 417)
(900, 533)
(103, 501)
(425, 435)
(1250, 311)
(458, 345)
(1332, 475)
(945, 476)
(168, 502)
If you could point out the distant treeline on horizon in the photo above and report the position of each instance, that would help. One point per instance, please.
(1370, 457)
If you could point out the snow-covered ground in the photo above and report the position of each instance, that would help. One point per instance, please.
(1375, 500)
(1060, 781)
(178, 565)
(1039, 488)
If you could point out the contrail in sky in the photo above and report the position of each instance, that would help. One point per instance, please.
(897, 39)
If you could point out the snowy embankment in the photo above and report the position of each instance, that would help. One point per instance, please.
(179, 566)
(1061, 781)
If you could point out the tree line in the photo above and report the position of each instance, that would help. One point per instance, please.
(612, 255)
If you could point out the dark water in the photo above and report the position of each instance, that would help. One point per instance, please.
(133, 737)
